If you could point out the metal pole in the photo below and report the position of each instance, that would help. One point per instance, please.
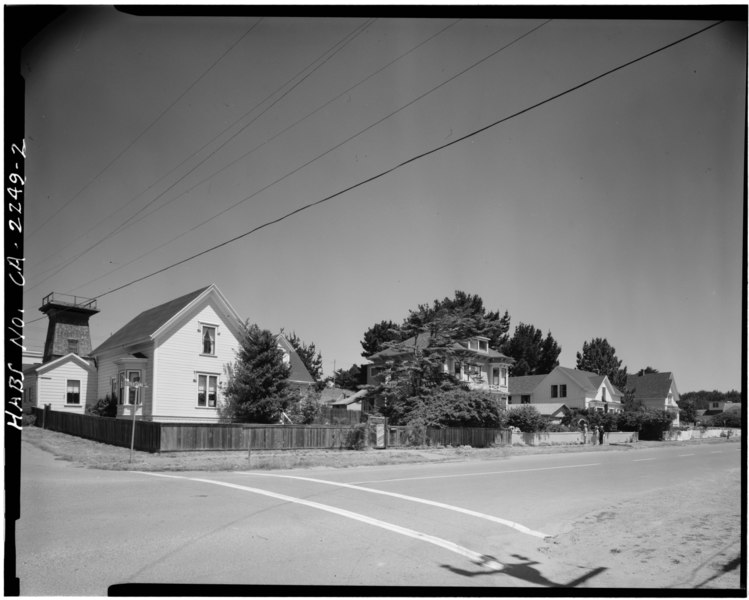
(132, 433)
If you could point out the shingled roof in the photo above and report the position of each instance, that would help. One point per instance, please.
(525, 384)
(421, 341)
(147, 322)
(651, 386)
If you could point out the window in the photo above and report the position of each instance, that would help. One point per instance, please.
(509, 400)
(525, 399)
(128, 392)
(207, 385)
(209, 340)
(555, 391)
(74, 392)
(73, 346)
(562, 391)
(483, 346)
(458, 368)
(603, 394)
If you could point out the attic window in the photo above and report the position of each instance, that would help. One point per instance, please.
(209, 340)
(73, 346)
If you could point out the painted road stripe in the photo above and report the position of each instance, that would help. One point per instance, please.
(473, 513)
(642, 459)
(476, 474)
(478, 558)
(686, 454)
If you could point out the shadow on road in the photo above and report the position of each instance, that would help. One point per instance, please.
(524, 569)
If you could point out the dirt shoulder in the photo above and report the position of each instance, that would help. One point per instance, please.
(95, 455)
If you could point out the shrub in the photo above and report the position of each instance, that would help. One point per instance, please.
(526, 418)
(356, 438)
(28, 420)
(105, 407)
(557, 427)
(651, 424)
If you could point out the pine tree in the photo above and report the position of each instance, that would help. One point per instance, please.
(599, 357)
(308, 354)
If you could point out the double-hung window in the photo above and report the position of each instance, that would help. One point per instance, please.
(209, 339)
(73, 395)
(129, 394)
(563, 391)
(207, 390)
(555, 391)
(525, 399)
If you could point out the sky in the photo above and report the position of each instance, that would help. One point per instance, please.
(614, 210)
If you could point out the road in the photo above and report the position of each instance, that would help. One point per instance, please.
(473, 523)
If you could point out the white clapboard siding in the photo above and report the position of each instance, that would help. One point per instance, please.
(52, 386)
(179, 359)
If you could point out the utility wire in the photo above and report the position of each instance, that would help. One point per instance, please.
(146, 130)
(319, 156)
(412, 159)
(325, 57)
(318, 109)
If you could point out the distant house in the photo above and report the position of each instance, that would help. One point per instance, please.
(572, 387)
(472, 362)
(657, 391)
(299, 376)
(353, 402)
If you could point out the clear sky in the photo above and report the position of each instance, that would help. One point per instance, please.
(613, 211)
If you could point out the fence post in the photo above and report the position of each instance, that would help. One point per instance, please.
(47, 407)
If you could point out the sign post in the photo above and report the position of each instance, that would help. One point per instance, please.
(138, 386)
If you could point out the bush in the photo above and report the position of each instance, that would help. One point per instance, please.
(651, 424)
(557, 427)
(356, 438)
(28, 420)
(526, 418)
(105, 407)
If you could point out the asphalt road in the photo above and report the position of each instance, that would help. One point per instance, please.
(476, 523)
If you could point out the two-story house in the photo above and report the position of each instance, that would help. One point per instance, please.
(470, 361)
(572, 387)
(656, 390)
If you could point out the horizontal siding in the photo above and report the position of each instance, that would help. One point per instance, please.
(179, 358)
(52, 387)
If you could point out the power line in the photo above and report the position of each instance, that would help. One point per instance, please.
(412, 159)
(319, 156)
(324, 58)
(147, 129)
(275, 136)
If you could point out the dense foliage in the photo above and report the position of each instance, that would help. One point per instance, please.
(257, 389)
(377, 336)
(526, 418)
(598, 356)
(452, 407)
(533, 354)
(105, 407)
(350, 379)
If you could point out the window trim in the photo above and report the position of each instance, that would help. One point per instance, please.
(124, 390)
(68, 392)
(555, 391)
(203, 328)
(562, 390)
(208, 376)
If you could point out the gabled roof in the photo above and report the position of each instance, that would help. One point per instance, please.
(652, 386)
(331, 394)
(299, 372)
(48, 366)
(357, 397)
(546, 409)
(157, 319)
(525, 384)
(588, 381)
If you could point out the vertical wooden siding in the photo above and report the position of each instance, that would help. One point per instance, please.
(116, 432)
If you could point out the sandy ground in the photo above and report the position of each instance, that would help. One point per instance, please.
(688, 537)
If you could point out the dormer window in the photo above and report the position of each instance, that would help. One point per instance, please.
(209, 340)
(481, 345)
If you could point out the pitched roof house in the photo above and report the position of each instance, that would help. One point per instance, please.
(169, 361)
(656, 390)
(573, 387)
(472, 362)
(299, 376)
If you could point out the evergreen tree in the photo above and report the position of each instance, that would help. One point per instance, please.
(378, 335)
(257, 389)
(348, 380)
(533, 354)
(599, 357)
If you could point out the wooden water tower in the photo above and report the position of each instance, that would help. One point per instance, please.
(68, 329)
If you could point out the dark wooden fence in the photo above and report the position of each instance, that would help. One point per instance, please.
(178, 437)
(116, 432)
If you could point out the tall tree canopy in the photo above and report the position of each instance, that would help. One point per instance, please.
(598, 356)
(257, 389)
(533, 354)
(309, 355)
(378, 335)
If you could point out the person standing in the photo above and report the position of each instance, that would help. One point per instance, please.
(600, 435)
(595, 434)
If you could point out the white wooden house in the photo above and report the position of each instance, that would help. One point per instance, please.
(66, 384)
(169, 361)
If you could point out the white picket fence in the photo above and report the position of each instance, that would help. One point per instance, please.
(702, 434)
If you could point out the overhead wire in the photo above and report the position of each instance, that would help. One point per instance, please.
(323, 59)
(268, 140)
(413, 159)
(147, 129)
(319, 156)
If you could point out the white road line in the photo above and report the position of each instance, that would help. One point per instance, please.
(475, 474)
(686, 454)
(642, 459)
(716, 452)
(473, 513)
(478, 558)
